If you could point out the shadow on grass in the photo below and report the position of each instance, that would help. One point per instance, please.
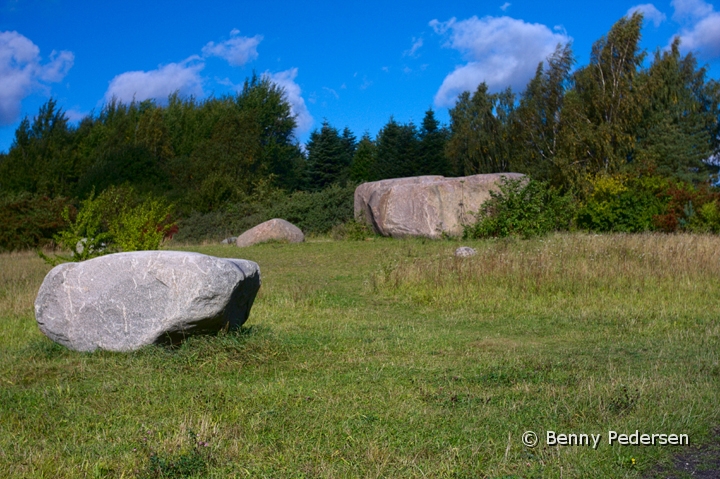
(247, 345)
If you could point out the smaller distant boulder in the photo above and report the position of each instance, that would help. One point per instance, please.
(230, 240)
(465, 252)
(272, 230)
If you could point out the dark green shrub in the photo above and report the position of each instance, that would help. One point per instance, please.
(29, 221)
(523, 207)
(317, 212)
(313, 212)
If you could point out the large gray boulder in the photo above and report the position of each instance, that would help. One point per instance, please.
(124, 301)
(272, 230)
(427, 206)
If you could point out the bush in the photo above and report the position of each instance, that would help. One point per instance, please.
(522, 207)
(689, 208)
(116, 220)
(623, 204)
(354, 230)
(317, 212)
(30, 221)
(313, 212)
(634, 204)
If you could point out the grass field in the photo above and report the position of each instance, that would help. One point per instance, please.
(388, 359)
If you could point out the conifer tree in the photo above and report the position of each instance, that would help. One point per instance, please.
(680, 117)
(329, 156)
(363, 166)
(397, 150)
(433, 138)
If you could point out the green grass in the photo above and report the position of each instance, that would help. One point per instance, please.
(387, 359)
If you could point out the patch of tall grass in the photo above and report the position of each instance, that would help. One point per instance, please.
(637, 273)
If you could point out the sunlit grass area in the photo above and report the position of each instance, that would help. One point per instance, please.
(388, 359)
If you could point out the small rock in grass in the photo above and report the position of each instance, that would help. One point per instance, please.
(465, 252)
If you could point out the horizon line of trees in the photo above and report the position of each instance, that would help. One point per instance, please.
(614, 115)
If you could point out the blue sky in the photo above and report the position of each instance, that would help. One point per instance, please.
(351, 63)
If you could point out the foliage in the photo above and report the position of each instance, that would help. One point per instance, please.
(539, 123)
(610, 101)
(329, 157)
(689, 208)
(28, 221)
(396, 150)
(362, 167)
(199, 155)
(117, 219)
(617, 116)
(41, 159)
(480, 126)
(522, 207)
(353, 230)
(632, 204)
(679, 125)
(623, 203)
(316, 212)
(433, 138)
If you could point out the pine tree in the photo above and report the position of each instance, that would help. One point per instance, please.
(329, 157)
(675, 136)
(39, 160)
(397, 150)
(433, 138)
(363, 166)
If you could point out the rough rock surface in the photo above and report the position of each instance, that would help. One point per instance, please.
(272, 230)
(428, 206)
(465, 252)
(123, 301)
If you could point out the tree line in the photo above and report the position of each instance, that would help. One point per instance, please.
(620, 114)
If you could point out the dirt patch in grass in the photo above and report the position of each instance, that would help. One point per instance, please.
(701, 462)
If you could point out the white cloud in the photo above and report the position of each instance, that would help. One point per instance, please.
(22, 72)
(183, 77)
(417, 43)
(701, 31)
(332, 92)
(74, 115)
(500, 51)
(690, 9)
(293, 94)
(650, 13)
(237, 51)
(505, 6)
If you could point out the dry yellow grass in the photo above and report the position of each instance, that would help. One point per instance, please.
(20, 275)
(568, 269)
